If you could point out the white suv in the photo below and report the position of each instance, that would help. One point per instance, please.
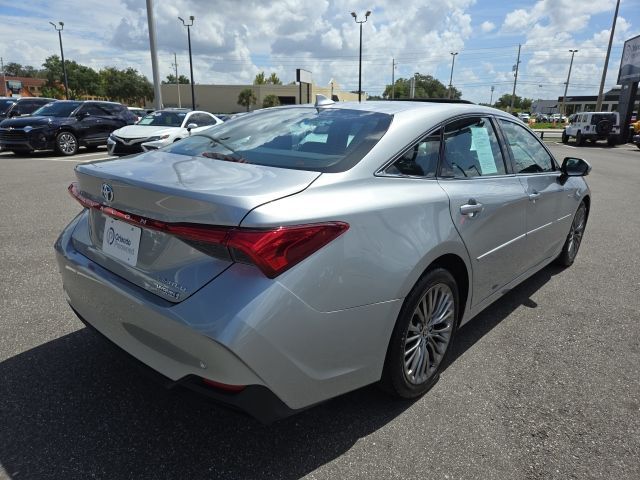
(593, 126)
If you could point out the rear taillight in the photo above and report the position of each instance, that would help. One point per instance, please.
(272, 250)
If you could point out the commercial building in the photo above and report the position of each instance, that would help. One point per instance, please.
(21, 86)
(224, 98)
(587, 103)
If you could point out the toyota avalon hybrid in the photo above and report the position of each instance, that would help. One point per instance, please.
(301, 252)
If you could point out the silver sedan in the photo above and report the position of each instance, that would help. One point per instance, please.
(297, 253)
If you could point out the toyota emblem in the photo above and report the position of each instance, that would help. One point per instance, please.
(107, 192)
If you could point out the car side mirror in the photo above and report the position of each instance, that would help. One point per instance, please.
(14, 113)
(82, 115)
(575, 167)
(192, 125)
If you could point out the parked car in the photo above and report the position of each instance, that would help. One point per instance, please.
(159, 129)
(139, 112)
(300, 252)
(24, 106)
(593, 126)
(64, 126)
(525, 117)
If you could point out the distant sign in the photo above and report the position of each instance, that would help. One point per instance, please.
(14, 86)
(630, 63)
(303, 76)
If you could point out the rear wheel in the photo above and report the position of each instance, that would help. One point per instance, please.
(67, 143)
(422, 336)
(579, 139)
(565, 137)
(574, 238)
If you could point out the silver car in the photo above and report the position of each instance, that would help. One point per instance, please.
(300, 252)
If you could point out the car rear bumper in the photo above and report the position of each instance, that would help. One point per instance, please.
(241, 329)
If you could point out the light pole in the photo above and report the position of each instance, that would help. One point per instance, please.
(491, 100)
(453, 62)
(64, 68)
(355, 18)
(189, 25)
(394, 65)
(566, 85)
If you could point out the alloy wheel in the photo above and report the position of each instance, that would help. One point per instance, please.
(67, 143)
(428, 334)
(576, 232)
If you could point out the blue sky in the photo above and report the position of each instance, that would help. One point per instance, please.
(235, 39)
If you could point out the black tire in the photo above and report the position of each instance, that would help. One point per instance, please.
(565, 137)
(574, 237)
(66, 143)
(579, 139)
(611, 142)
(412, 381)
(603, 127)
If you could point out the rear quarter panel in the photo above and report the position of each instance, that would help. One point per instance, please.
(398, 226)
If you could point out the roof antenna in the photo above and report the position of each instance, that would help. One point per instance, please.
(322, 101)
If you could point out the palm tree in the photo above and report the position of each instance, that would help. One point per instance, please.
(247, 98)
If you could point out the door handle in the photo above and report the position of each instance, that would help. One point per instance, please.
(534, 196)
(471, 208)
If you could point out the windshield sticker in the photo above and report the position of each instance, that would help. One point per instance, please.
(482, 145)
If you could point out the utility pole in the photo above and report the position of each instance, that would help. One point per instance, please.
(453, 62)
(412, 87)
(157, 93)
(393, 78)
(4, 78)
(515, 80)
(606, 60)
(566, 85)
(175, 66)
(491, 100)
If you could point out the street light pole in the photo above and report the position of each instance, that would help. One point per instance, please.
(566, 85)
(491, 100)
(355, 17)
(393, 78)
(64, 68)
(193, 93)
(453, 62)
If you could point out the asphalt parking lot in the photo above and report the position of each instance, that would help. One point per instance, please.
(543, 384)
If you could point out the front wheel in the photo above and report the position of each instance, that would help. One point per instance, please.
(579, 139)
(565, 137)
(66, 143)
(422, 336)
(574, 238)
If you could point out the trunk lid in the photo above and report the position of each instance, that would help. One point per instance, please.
(174, 189)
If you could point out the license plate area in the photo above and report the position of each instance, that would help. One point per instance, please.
(121, 241)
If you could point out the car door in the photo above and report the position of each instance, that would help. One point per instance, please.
(487, 203)
(90, 124)
(547, 215)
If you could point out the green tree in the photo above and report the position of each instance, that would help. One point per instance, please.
(519, 103)
(270, 101)
(260, 79)
(426, 86)
(171, 79)
(273, 79)
(247, 98)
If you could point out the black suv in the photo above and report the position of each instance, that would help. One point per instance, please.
(64, 126)
(22, 106)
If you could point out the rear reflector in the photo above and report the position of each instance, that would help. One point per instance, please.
(272, 250)
(223, 386)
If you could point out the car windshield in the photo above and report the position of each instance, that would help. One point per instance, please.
(57, 109)
(323, 140)
(163, 119)
(5, 105)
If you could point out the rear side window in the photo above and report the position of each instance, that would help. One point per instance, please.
(471, 149)
(302, 138)
(529, 156)
(421, 160)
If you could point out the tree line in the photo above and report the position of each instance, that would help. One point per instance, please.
(122, 85)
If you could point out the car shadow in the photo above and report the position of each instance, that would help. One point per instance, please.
(71, 408)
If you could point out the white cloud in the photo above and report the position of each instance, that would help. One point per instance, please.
(487, 27)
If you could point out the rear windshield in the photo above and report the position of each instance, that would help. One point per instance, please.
(163, 119)
(322, 140)
(57, 109)
(5, 105)
(603, 116)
